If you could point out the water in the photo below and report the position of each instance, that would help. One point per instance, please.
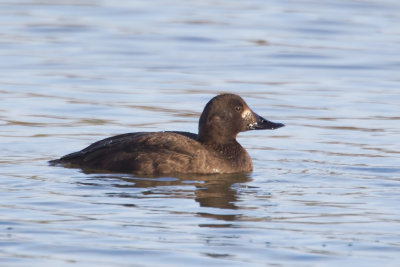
(325, 189)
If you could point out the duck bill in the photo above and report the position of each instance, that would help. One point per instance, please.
(263, 124)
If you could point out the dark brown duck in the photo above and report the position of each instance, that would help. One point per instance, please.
(213, 150)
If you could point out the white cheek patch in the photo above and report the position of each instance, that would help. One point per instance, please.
(246, 113)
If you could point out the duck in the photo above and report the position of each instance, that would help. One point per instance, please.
(213, 150)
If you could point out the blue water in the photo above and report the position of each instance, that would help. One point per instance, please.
(325, 188)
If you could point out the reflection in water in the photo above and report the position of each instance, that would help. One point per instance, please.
(213, 191)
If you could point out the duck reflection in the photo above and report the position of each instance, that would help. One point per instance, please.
(213, 191)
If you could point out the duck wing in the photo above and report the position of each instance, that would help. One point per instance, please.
(133, 152)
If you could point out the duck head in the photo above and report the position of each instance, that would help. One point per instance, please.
(225, 116)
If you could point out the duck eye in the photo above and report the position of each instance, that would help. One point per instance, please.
(238, 108)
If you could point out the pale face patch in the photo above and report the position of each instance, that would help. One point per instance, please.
(246, 113)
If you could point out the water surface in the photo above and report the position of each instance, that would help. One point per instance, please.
(325, 188)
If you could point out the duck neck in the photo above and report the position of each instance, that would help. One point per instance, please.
(217, 140)
(228, 149)
(216, 135)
